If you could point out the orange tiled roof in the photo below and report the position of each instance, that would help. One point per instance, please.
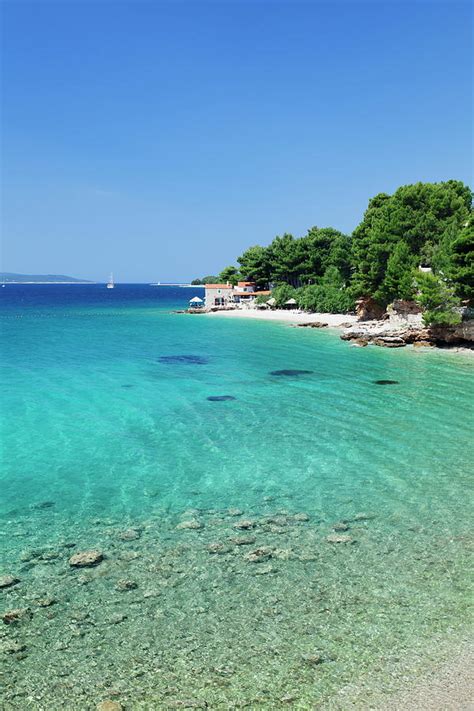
(245, 283)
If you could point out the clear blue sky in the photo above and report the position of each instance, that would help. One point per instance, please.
(160, 139)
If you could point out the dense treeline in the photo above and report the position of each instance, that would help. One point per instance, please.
(426, 224)
(206, 280)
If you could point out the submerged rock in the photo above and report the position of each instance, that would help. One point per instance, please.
(277, 520)
(301, 517)
(46, 601)
(339, 538)
(220, 398)
(290, 372)
(244, 525)
(389, 342)
(131, 534)
(364, 516)
(264, 569)
(118, 618)
(36, 556)
(6, 581)
(123, 585)
(386, 382)
(218, 548)
(312, 659)
(183, 359)
(13, 616)
(243, 540)
(86, 559)
(273, 528)
(109, 705)
(11, 646)
(43, 505)
(313, 324)
(190, 513)
(259, 555)
(191, 525)
(288, 699)
(341, 526)
(235, 512)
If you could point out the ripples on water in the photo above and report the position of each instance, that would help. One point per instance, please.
(109, 424)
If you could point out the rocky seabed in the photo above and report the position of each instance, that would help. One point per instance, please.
(266, 608)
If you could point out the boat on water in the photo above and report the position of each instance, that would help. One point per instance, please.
(111, 283)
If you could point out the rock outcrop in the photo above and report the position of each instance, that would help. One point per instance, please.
(404, 312)
(313, 324)
(381, 333)
(367, 309)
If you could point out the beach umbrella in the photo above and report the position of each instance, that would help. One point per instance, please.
(290, 302)
(196, 300)
(271, 302)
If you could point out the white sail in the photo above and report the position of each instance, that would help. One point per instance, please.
(110, 283)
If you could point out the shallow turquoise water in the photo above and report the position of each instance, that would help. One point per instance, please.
(99, 435)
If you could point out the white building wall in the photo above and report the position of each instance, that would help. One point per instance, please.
(213, 294)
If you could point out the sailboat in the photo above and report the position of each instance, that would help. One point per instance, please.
(110, 283)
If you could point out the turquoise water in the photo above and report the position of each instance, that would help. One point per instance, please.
(99, 435)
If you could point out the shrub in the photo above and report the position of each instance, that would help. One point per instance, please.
(437, 300)
(282, 293)
(325, 299)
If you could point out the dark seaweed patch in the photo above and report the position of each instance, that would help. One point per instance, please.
(386, 382)
(183, 359)
(289, 372)
(220, 398)
(127, 385)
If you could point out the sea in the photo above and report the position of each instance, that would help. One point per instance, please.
(278, 519)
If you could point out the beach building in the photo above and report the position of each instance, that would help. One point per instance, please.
(218, 295)
(244, 287)
(248, 297)
(243, 293)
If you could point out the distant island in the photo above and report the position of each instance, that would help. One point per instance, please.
(12, 278)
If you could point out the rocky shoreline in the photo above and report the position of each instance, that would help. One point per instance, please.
(382, 333)
(401, 325)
